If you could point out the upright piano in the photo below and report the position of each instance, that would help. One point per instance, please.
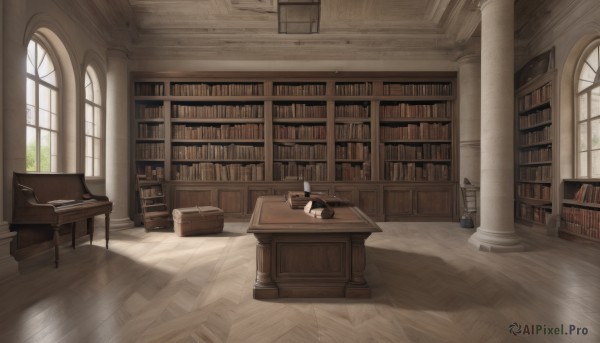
(48, 204)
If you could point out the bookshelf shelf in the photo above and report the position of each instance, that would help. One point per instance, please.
(223, 139)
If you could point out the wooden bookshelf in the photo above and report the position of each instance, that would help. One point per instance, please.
(385, 141)
(580, 212)
(535, 185)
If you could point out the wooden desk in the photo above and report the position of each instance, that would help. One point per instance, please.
(301, 256)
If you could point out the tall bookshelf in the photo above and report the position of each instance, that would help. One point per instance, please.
(535, 187)
(386, 141)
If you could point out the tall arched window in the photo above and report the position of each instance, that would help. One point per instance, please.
(42, 110)
(93, 124)
(588, 113)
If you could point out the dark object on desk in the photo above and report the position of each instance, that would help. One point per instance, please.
(47, 206)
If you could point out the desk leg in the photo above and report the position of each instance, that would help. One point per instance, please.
(106, 227)
(264, 288)
(358, 287)
(90, 227)
(56, 242)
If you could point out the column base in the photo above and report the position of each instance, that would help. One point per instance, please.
(8, 265)
(120, 223)
(496, 241)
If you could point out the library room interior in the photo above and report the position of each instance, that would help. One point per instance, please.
(300, 171)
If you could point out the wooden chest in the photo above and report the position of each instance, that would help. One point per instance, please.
(198, 220)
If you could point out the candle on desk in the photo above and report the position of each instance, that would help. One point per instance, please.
(306, 189)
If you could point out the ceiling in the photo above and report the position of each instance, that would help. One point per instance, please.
(247, 29)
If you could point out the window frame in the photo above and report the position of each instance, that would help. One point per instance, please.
(58, 88)
(588, 92)
(99, 105)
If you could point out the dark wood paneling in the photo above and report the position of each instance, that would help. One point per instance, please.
(231, 201)
(434, 202)
(397, 202)
(190, 198)
(367, 201)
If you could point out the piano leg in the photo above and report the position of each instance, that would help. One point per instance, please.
(106, 227)
(56, 241)
(90, 227)
(73, 227)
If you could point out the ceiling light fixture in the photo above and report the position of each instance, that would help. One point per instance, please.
(298, 16)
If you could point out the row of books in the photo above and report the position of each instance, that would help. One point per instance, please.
(543, 154)
(354, 89)
(534, 191)
(148, 111)
(300, 110)
(217, 89)
(538, 136)
(581, 221)
(353, 172)
(410, 171)
(588, 193)
(539, 173)
(149, 89)
(353, 151)
(151, 191)
(416, 131)
(152, 173)
(206, 171)
(352, 111)
(353, 131)
(535, 118)
(537, 97)
(417, 89)
(146, 130)
(202, 111)
(300, 151)
(425, 151)
(531, 213)
(150, 151)
(218, 152)
(292, 170)
(408, 110)
(299, 132)
(236, 131)
(295, 89)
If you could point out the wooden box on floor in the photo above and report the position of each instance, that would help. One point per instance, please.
(198, 220)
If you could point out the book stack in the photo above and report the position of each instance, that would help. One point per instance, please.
(297, 199)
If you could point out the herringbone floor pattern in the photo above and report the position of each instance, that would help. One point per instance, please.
(428, 285)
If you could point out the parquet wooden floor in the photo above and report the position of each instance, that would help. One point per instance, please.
(428, 285)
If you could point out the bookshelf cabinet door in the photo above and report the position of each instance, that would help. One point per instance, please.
(397, 203)
(434, 202)
(192, 197)
(231, 201)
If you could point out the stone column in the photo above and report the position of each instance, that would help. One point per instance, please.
(496, 232)
(12, 119)
(469, 84)
(117, 142)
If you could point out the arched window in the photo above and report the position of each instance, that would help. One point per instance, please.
(93, 124)
(42, 109)
(588, 113)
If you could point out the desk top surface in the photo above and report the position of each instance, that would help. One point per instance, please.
(272, 214)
